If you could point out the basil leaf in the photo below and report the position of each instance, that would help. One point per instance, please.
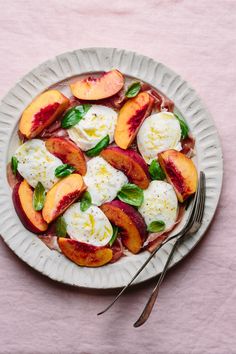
(114, 235)
(61, 227)
(156, 226)
(156, 172)
(85, 201)
(14, 165)
(39, 197)
(74, 115)
(131, 194)
(99, 147)
(64, 170)
(133, 90)
(183, 126)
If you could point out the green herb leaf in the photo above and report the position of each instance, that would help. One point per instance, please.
(114, 235)
(156, 172)
(64, 170)
(99, 147)
(183, 126)
(61, 227)
(156, 226)
(39, 197)
(14, 165)
(85, 201)
(131, 194)
(133, 90)
(74, 115)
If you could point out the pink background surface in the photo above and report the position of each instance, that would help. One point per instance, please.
(196, 308)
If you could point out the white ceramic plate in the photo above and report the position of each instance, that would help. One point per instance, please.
(208, 151)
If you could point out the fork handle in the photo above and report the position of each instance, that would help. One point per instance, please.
(152, 299)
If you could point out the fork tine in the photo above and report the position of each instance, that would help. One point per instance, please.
(198, 213)
(200, 209)
(188, 224)
(193, 211)
(203, 194)
(200, 204)
(197, 199)
(199, 194)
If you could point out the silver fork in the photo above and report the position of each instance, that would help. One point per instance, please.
(186, 228)
(198, 215)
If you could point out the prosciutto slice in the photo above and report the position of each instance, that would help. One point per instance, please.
(50, 241)
(188, 146)
(50, 237)
(118, 250)
(155, 239)
(162, 103)
(54, 130)
(11, 178)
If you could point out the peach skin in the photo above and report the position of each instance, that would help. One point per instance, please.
(97, 88)
(68, 152)
(180, 172)
(130, 118)
(22, 197)
(62, 195)
(84, 254)
(129, 162)
(133, 228)
(42, 112)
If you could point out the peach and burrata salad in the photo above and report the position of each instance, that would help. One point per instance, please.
(104, 172)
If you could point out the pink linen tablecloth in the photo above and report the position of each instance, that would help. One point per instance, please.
(196, 310)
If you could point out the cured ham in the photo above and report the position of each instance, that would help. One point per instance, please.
(118, 250)
(155, 239)
(50, 241)
(11, 178)
(54, 130)
(188, 146)
(162, 103)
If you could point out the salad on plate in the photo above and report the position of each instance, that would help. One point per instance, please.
(105, 173)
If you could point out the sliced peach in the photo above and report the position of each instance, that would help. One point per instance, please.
(84, 254)
(96, 88)
(22, 197)
(130, 118)
(133, 228)
(180, 172)
(62, 195)
(68, 152)
(129, 162)
(44, 110)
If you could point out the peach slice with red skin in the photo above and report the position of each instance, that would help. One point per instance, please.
(133, 227)
(42, 112)
(180, 172)
(130, 118)
(129, 162)
(68, 152)
(97, 88)
(62, 195)
(22, 197)
(84, 254)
